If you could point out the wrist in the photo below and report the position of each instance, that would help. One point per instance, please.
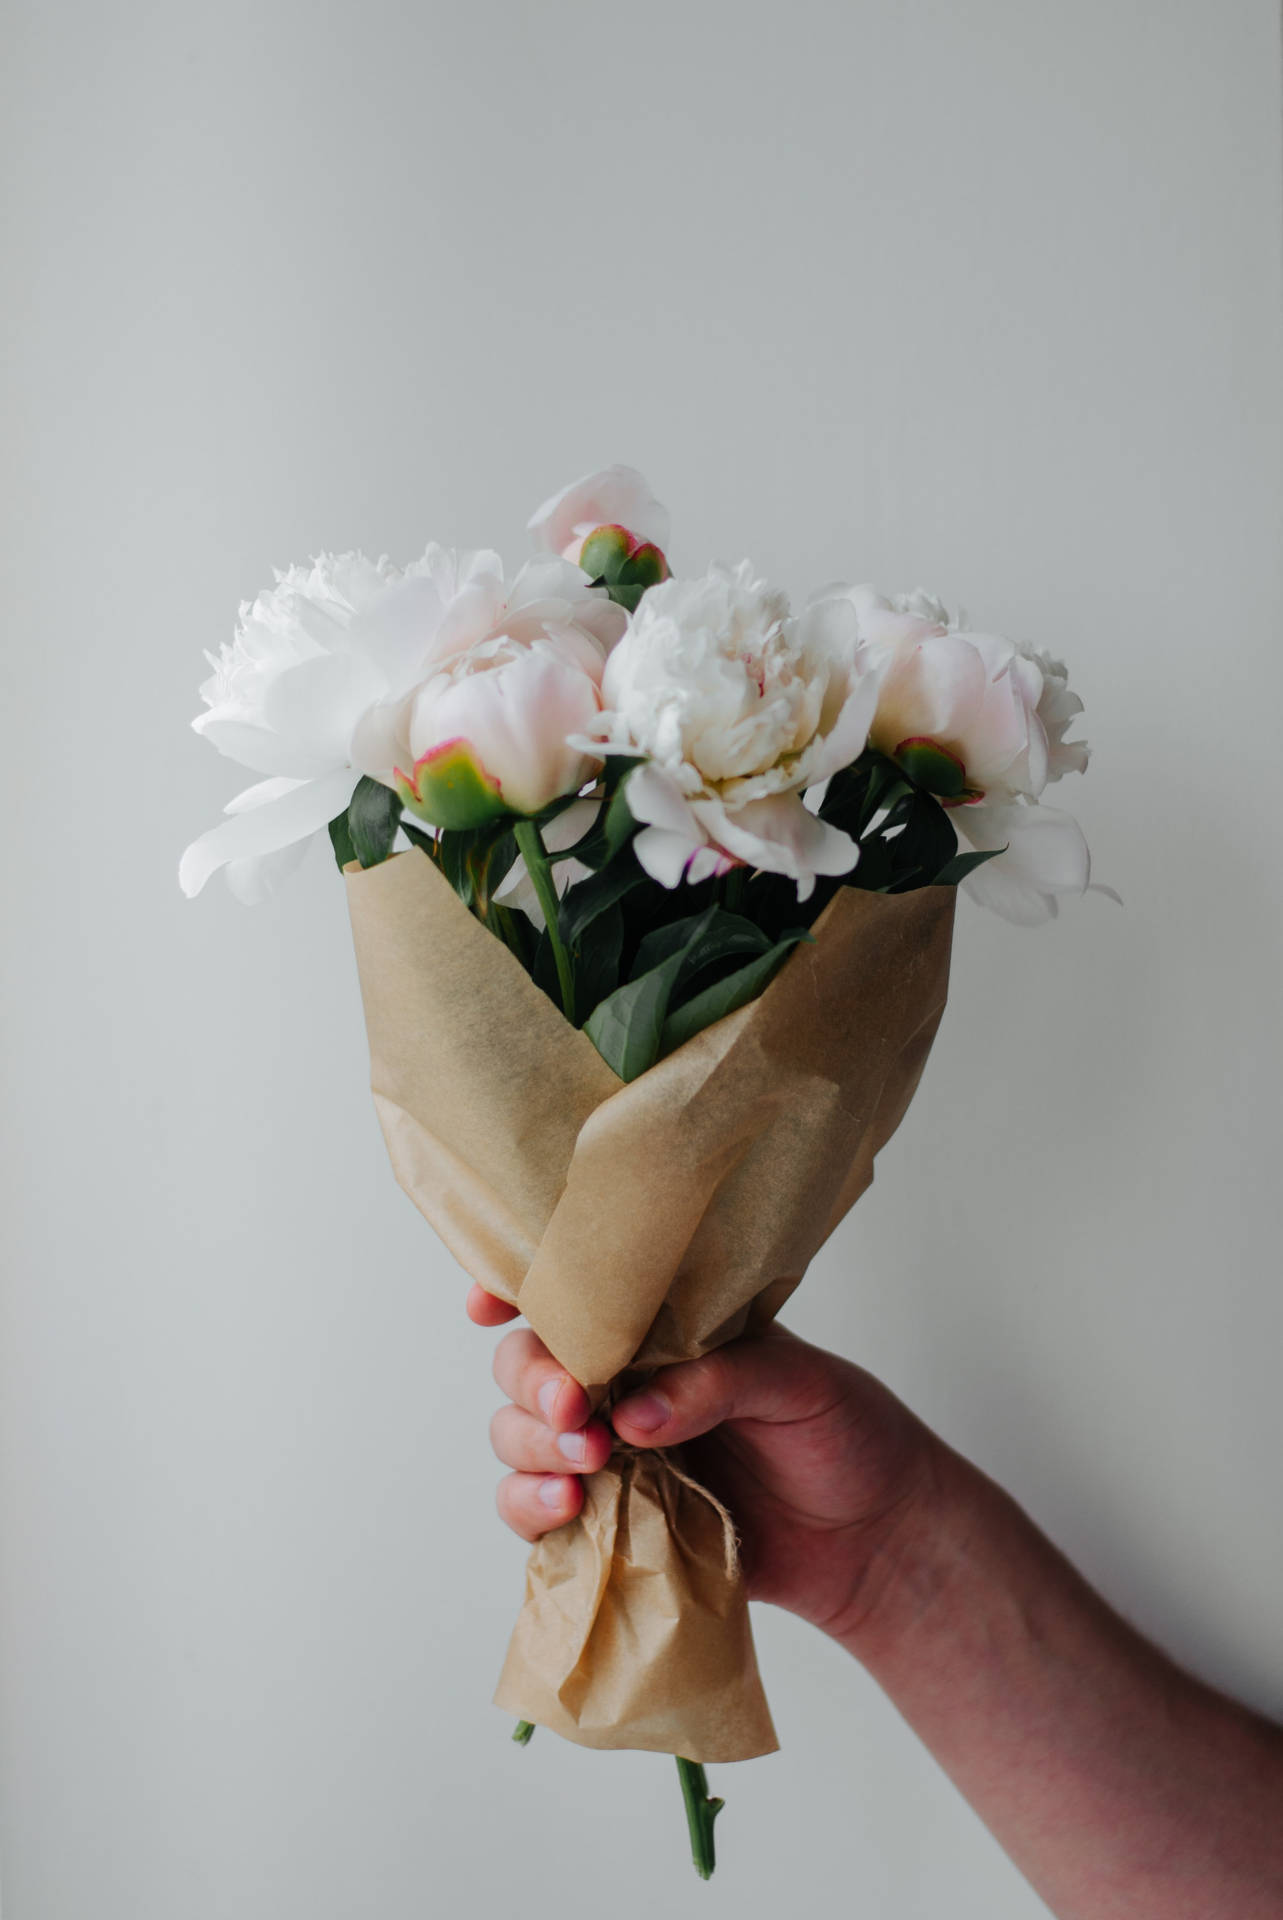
(911, 1554)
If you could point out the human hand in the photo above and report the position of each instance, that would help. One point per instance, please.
(823, 1470)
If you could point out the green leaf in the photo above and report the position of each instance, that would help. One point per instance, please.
(626, 1027)
(372, 820)
(490, 860)
(596, 960)
(341, 840)
(624, 595)
(581, 904)
(962, 864)
(928, 841)
(618, 825)
(727, 996)
(702, 939)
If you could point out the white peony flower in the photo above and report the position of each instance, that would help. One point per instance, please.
(616, 497)
(739, 708)
(980, 722)
(312, 687)
(308, 660)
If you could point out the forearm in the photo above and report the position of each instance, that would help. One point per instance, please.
(1119, 1785)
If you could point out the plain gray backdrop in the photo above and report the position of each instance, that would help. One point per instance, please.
(980, 295)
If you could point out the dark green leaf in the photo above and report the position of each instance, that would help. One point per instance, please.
(625, 1027)
(372, 819)
(704, 939)
(928, 841)
(490, 861)
(581, 903)
(341, 841)
(454, 849)
(596, 959)
(726, 996)
(661, 943)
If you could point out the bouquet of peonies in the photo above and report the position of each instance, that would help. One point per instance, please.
(651, 882)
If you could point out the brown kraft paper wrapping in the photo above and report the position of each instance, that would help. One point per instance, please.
(635, 1226)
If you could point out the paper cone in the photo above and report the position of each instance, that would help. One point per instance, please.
(635, 1226)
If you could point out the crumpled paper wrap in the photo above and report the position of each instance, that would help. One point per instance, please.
(635, 1226)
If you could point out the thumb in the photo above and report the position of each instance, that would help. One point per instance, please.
(773, 1377)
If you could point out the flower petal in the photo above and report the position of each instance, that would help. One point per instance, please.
(655, 799)
(263, 829)
(258, 876)
(665, 856)
(780, 835)
(618, 495)
(259, 748)
(1045, 855)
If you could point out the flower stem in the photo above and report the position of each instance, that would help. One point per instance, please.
(532, 850)
(700, 1815)
(522, 1731)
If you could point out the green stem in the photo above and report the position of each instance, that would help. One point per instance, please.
(522, 1731)
(736, 880)
(700, 1815)
(532, 850)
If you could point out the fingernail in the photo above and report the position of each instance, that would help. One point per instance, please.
(547, 1397)
(552, 1491)
(646, 1410)
(573, 1445)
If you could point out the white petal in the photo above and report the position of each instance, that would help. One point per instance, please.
(1045, 855)
(571, 824)
(850, 732)
(319, 703)
(261, 749)
(655, 798)
(397, 631)
(663, 855)
(264, 829)
(779, 835)
(259, 796)
(616, 495)
(258, 876)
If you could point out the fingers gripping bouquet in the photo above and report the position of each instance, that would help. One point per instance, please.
(652, 885)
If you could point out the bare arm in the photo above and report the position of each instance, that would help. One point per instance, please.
(1118, 1784)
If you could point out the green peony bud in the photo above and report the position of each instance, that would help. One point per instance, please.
(450, 788)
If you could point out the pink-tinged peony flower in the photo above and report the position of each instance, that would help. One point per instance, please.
(488, 734)
(617, 497)
(980, 722)
(739, 708)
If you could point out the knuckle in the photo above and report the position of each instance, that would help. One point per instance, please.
(509, 1357)
(509, 1505)
(708, 1388)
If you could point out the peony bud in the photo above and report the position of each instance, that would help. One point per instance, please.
(627, 565)
(488, 735)
(616, 497)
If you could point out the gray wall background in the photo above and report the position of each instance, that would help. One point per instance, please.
(985, 296)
